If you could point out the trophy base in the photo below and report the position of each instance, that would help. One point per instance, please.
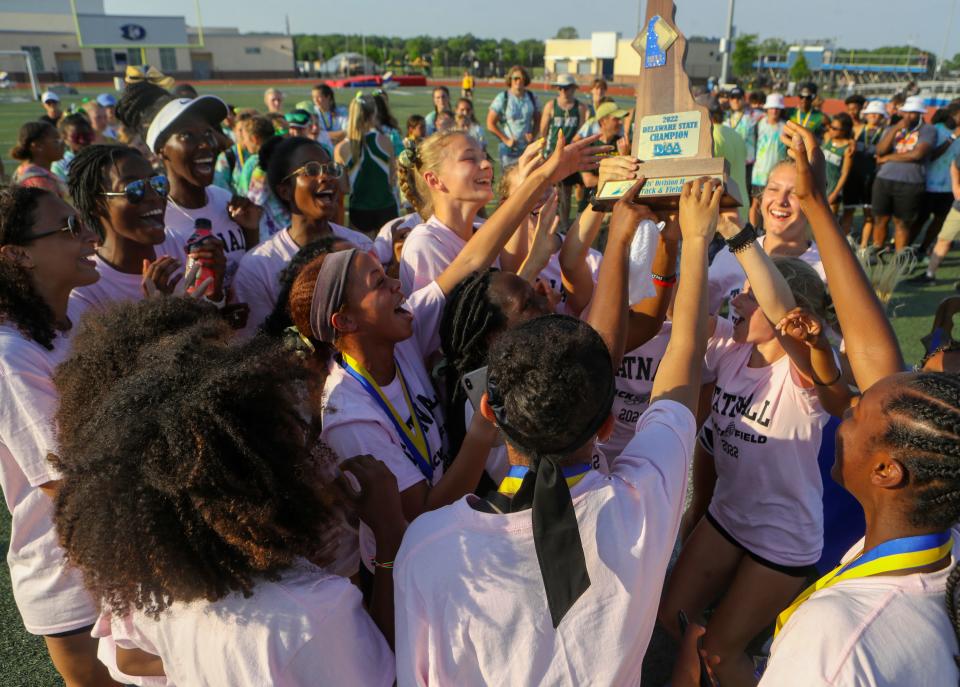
(665, 180)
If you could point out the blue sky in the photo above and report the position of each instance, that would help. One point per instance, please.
(853, 23)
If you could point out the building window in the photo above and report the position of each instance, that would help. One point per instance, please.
(168, 60)
(135, 57)
(585, 67)
(561, 66)
(35, 55)
(252, 50)
(104, 57)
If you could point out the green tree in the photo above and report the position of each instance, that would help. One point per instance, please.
(567, 32)
(773, 46)
(745, 53)
(800, 70)
(416, 47)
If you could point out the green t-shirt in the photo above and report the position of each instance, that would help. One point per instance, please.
(728, 144)
(242, 184)
(814, 120)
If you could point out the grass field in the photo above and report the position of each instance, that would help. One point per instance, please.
(23, 659)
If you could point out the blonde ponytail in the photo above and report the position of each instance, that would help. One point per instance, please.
(362, 110)
(418, 158)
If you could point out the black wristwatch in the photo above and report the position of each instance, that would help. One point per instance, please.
(742, 239)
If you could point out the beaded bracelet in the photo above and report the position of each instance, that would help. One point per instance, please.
(743, 239)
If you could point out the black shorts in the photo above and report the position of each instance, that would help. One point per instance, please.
(857, 191)
(938, 204)
(87, 629)
(370, 221)
(803, 571)
(897, 198)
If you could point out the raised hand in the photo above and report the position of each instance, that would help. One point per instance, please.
(729, 225)
(530, 159)
(811, 167)
(802, 325)
(244, 212)
(628, 213)
(618, 168)
(176, 286)
(579, 156)
(159, 276)
(700, 208)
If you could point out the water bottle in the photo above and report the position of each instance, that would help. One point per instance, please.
(202, 232)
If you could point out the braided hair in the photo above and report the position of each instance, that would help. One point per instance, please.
(279, 319)
(469, 318)
(924, 436)
(86, 180)
(20, 302)
(139, 104)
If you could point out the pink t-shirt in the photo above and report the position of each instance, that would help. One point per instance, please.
(308, 628)
(354, 424)
(115, 286)
(427, 252)
(881, 631)
(257, 282)
(180, 223)
(471, 609)
(383, 243)
(50, 596)
(766, 431)
(122, 632)
(726, 276)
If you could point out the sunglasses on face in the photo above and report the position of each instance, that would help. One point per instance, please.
(135, 191)
(316, 169)
(806, 97)
(74, 227)
(516, 78)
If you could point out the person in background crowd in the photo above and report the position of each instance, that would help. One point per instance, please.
(300, 123)
(467, 121)
(52, 114)
(466, 85)
(386, 122)
(98, 121)
(770, 151)
(441, 103)
(949, 231)
(514, 116)
(229, 123)
(370, 161)
(564, 113)
(808, 116)
(184, 90)
(854, 105)
(896, 101)
(723, 101)
(598, 91)
(728, 144)
(446, 120)
(939, 194)
(256, 131)
(108, 102)
(416, 128)
(900, 183)
(273, 99)
(859, 187)
(609, 120)
(39, 145)
(77, 134)
(756, 100)
(331, 117)
(838, 148)
(740, 119)
(45, 253)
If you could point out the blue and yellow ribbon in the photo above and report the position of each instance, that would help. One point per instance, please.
(511, 483)
(895, 555)
(414, 439)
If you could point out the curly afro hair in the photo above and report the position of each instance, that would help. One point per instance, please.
(553, 377)
(194, 474)
(20, 302)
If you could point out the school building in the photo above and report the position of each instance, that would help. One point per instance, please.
(611, 56)
(95, 46)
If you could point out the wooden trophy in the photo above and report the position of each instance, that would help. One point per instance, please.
(673, 136)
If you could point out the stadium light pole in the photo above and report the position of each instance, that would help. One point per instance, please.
(946, 38)
(725, 62)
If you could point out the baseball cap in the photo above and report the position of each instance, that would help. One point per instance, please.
(735, 92)
(610, 110)
(914, 104)
(774, 102)
(564, 80)
(106, 100)
(210, 107)
(875, 107)
(298, 118)
(49, 96)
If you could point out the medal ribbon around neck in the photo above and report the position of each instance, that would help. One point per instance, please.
(415, 439)
(511, 483)
(892, 556)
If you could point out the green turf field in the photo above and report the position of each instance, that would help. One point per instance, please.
(23, 659)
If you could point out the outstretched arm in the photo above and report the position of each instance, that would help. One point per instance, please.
(871, 346)
(678, 377)
(576, 274)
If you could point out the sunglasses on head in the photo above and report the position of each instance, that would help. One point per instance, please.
(74, 227)
(135, 191)
(316, 169)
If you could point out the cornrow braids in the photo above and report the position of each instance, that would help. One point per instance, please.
(86, 180)
(469, 318)
(417, 159)
(20, 302)
(139, 104)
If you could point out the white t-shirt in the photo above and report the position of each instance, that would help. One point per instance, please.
(766, 436)
(634, 383)
(49, 595)
(354, 423)
(308, 628)
(881, 631)
(179, 221)
(257, 282)
(383, 242)
(552, 277)
(115, 286)
(471, 608)
(122, 632)
(726, 276)
(427, 252)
